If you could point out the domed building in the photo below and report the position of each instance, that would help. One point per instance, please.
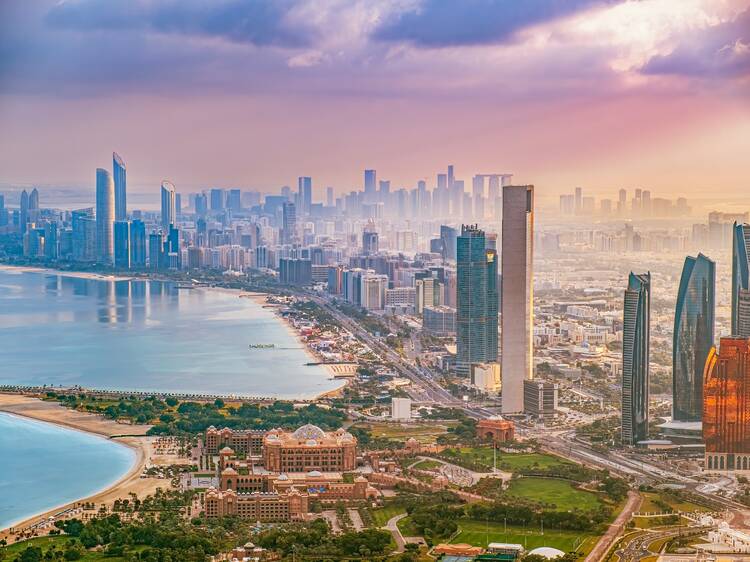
(309, 448)
(547, 552)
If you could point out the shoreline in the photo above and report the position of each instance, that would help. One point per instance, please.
(35, 409)
(77, 274)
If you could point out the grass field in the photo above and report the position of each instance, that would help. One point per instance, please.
(511, 461)
(422, 432)
(427, 465)
(480, 533)
(559, 493)
(382, 515)
(649, 503)
(51, 543)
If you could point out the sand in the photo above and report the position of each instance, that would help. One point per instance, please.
(77, 274)
(132, 436)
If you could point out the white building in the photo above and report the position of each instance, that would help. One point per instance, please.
(401, 408)
(486, 377)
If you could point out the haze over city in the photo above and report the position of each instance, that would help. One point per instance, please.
(605, 94)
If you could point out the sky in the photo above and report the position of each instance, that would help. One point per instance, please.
(253, 93)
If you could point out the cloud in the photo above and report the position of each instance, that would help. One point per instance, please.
(721, 50)
(257, 22)
(444, 23)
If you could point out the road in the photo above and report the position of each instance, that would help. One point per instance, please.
(392, 526)
(614, 530)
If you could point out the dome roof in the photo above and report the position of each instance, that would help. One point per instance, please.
(283, 477)
(547, 552)
(314, 473)
(309, 431)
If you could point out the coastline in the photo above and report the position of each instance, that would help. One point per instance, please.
(55, 414)
(76, 274)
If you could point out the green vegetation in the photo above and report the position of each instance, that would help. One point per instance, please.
(173, 417)
(482, 457)
(481, 533)
(554, 494)
(382, 515)
(667, 501)
(428, 465)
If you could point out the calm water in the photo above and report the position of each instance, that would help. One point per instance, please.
(42, 466)
(146, 335)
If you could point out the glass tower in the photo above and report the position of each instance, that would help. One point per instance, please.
(635, 357)
(693, 336)
(119, 173)
(105, 216)
(741, 280)
(168, 210)
(477, 300)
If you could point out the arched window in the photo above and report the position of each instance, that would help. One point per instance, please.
(721, 463)
(710, 463)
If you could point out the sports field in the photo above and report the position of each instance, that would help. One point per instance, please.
(560, 493)
(480, 533)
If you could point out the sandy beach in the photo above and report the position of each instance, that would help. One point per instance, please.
(133, 436)
(76, 274)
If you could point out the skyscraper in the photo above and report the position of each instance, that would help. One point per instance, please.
(371, 194)
(105, 216)
(517, 293)
(137, 243)
(693, 336)
(119, 173)
(635, 357)
(448, 236)
(288, 223)
(168, 210)
(122, 244)
(476, 314)
(304, 188)
(24, 212)
(726, 406)
(741, 280)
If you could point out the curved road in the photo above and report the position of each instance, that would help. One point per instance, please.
(392, 526)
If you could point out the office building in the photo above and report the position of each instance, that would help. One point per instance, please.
(517, 293)
(105, 216)
(51, 242)
(741, 280)
(201, 204)
(295, 271)
(234, 200)
(485, 377)
(168, 209)
(401, 409)
(122, 244)
(693, 337)
(476, 313)
(726, 406)
(439, 320)
(304, 194)
(288, 223)
(137, 244)
(84, 237)
(370, 194)
(635, 358)
(217, 199)
(155, 250)
(373, 291)
(370, 240)
(540, 398)
(119, 174)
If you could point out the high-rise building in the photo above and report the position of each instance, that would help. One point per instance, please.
(517, 293)
(540, 398)
(51, 243)
(122, 244)
(693, 337)
(726, 406)
(370, 240)
(741, 280)
(168, 210)
(371, 190)
(155, 250)
(476, 314)
(329, 197)
(304, 194)
(201, 204)
(217, 199)
(137, 243)
(401, 408)
(105, 216)
(23, 219)
(83, 248)
(234, 199)
(635, 358)
(120, 177)
(578, 200)
(448, 235)
(3, 211)
(288, 223)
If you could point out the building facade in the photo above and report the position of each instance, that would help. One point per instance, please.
(693, 336)
(540, 398)
(105, 216)
(635, 358)
(517, 331)
(477, 299)
(119, 173)
(168, 212)
(726, 406)
(266, 507)
(741, 280)
(309, 448)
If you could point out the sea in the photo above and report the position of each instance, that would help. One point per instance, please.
(143, 335)
(45, 466)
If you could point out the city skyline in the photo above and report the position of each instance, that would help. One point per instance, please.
(591, 101)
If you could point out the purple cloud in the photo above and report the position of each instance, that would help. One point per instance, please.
(719, 51)
(445, 23)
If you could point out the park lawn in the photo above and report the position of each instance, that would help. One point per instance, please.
(512, 461)
(428, 465)
(46, 543)
(382, 515)
(649, 503)
(422, 432)
(480, 533)
(560, 493)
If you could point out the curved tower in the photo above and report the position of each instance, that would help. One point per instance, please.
(636, 328)
(105, 216)
(741, 280)
(693, 336)
(119, 172)
(167, 205)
